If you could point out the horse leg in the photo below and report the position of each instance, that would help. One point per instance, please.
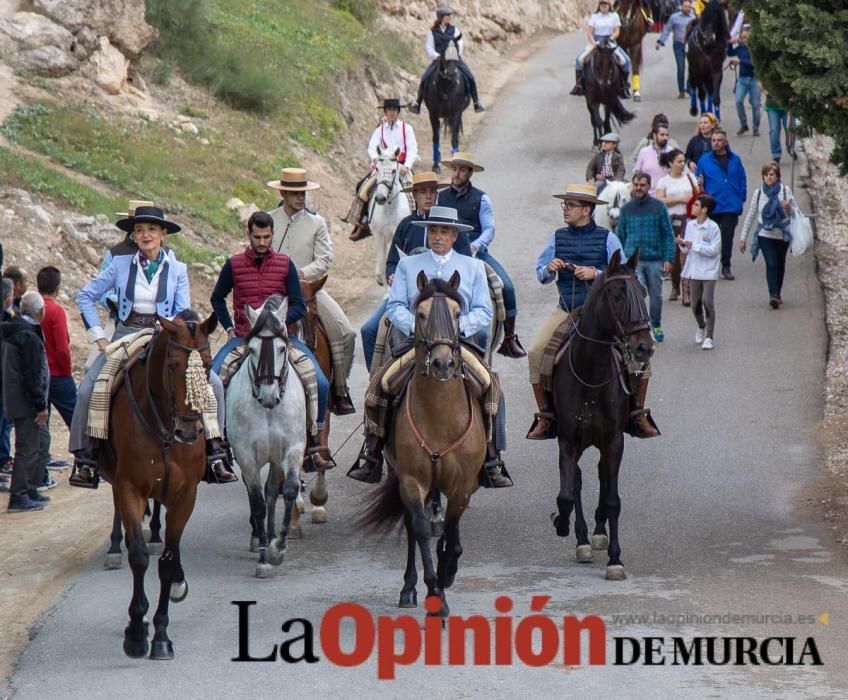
(565, 499)
(693, 105)
(437, 520)
(610, 464)
(408, 594)
(581, 530)
(114, 557)
(437, 156)
(318, 497)
(290, 488)
(275, 554)
(449, 547)
(421, 529)
(155, 544)
(131, 508)
(258, 537)
(456, 130)
(717, 94)
(145, 522)
(599, 535)
(637, 96)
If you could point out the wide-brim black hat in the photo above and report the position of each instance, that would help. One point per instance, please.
(391, 103)
(148, 215)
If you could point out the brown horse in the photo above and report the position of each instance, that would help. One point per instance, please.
(156, 449)
(635, 21)
(436, 443)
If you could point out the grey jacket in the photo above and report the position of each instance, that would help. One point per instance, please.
(25, 372)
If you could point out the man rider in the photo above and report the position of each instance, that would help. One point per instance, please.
(302, 235)
(392, 134)
(439, 38)
(440, 261)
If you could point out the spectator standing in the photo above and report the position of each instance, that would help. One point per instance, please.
(677, 25)
(6, 425)
(19, 280)
(25, 396)
(721, 174)
(648, 160)
(700, 143)
(778, 117)
(747, 84)
(644, 224)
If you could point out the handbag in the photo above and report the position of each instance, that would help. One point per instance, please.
(696, 192)
(801, 232)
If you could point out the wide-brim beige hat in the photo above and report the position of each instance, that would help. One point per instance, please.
(580, 193)
(427, 179)
(293, 180)
(132, 205)
(461, 158)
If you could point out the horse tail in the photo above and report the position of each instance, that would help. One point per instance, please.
(619, 111)
(384, 510)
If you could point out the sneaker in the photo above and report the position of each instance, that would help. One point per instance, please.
(775, 302)
(742, 130)
(49, 484)
(57, 465)
(8, 467)
(707, 344)
(726, 273)
(23, 504)
(756, 132)
(657, 334)
(38, 497)
(681, 95)
(699, 336)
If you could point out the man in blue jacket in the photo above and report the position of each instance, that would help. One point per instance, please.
(721, 174)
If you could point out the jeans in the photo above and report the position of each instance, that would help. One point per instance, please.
(6, 425)
(774, 253)
(751, 88)
(63, 396)
(369, 332)
(621, 57)
(649, 274)
(680, 56)
(508, 287)
(727, 224)
(323, 382)
(776, 119)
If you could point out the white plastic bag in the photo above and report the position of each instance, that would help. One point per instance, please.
(801, 232)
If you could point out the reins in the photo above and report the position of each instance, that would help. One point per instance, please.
(436, 455)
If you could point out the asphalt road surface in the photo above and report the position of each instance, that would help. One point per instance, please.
(715, 521)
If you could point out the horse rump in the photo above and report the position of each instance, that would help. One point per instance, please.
(383, 510)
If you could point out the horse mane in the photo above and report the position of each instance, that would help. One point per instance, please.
(632, 302)
(190, 318)
(268, 320)
(437, 286)
(713, 14)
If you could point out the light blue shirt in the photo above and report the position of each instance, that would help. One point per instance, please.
(677, 23)
(487, 225)
(547, 254)
(473, 287)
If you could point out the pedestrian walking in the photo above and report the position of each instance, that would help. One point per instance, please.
(648, 160)
(747, 84)
(677, 26)
(767, 226)
(702, 245)
(700, 143)
(779, 118)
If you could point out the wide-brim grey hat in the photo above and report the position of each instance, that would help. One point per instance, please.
(443, 216)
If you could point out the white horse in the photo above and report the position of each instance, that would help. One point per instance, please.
(616, 194)
(388, 206)
(266, 412)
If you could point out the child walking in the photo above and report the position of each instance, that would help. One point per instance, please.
(702, 243)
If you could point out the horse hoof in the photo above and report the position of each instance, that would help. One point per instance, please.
(584, 554)
(264, 571)
(600, 542)
(276, 554)
(319, 515)
(254, 545)
(162, 651)
(179, 591)
(295, 532)
(155, 548)
(637, 97)
(616, 573)
(693, 111)
(408, 599)
(113, 560)
(135, 648)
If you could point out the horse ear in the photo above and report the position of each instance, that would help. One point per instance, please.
(280, 313)
(252, 314)
(634, 260)
(454, 280)
(317, 285)
(615, 261)
(421, 280)
(167, 324)
(210, 324)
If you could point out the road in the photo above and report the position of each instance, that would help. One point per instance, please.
(717, 517)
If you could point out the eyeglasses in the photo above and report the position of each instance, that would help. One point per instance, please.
(567, 206)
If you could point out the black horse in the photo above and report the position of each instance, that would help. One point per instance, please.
(602, 80)
(446, 99)
(706, 49)
(591, 394)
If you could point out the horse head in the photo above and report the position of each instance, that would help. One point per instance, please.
(617, 193)
(387, 174)
(437, 310)
(604, 68)
(268, 345)
(447, 72)
(709, 28)
(616, 303)
(185, 371)
(310, 289)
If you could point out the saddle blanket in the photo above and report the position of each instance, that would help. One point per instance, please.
(118, 353)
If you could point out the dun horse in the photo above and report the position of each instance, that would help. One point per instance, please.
(389, 205)
(156, 450)
(706, 49)
(591, 398)
(634, 25)
(602, 78)
(436, 444)
(446, 98)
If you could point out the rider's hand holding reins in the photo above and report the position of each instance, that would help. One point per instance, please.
(102, 344)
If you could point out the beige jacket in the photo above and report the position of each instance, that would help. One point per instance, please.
(305, 239)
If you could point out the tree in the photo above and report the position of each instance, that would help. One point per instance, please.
(800, 53)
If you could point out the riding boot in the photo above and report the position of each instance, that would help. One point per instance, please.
(511, 346)
(643, 425)
(371, 457)
(219, 462)
(317, 458)
(341, 405)
(360, 231)
(493, 473)
(415, 107)
(543, 427)
(579, 86)
(85, 474)
(624, 89)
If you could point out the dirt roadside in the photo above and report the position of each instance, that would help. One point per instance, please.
(40, 552)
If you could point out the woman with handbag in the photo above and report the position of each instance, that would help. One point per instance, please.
(767, 225)
(676, 190)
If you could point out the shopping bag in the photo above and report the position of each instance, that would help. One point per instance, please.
(801, 232)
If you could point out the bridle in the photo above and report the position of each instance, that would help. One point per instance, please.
(262, 371)
(423, 337)
(388, 181)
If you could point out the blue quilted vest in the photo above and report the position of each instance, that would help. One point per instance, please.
(467, 207)
(586, 245)
(442, 39)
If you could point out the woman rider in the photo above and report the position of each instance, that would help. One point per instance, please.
(150, 282)
(604, 24)
(439, 38)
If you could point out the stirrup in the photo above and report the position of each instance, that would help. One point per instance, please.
(507, 351)
(546, 415)
(491, 469)
(84, 475)
(310, 465)
(371, 472)
(635, 430)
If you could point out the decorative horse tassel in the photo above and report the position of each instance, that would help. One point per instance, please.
(197, 394)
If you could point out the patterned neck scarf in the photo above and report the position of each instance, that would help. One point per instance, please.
(150, 267)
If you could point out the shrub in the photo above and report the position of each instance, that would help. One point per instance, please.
(363, 10)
